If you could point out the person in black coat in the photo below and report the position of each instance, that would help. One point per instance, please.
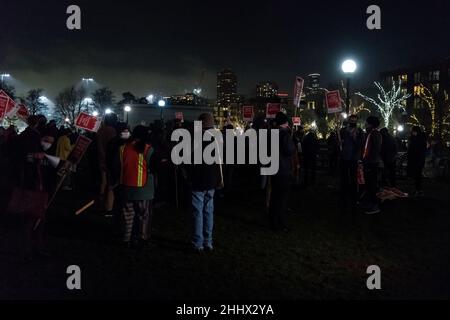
(388, 155)
(310, 150)
(281, 182)
(417, 149)
(204, 180)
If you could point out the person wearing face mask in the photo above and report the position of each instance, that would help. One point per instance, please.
(371, 162)
(351, 145)
(34, 172)
(63, 149)
(137, 182)
(113, 166)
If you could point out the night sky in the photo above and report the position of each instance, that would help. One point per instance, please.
(163, 46)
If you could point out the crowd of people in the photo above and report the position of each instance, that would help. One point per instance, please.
(134, 172)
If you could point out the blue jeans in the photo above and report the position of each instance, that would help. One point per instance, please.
(203, 213)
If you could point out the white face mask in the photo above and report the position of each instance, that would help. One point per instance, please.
(125, 135)
(46, 145)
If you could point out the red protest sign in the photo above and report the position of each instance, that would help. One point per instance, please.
(333, 99)
(179, 116)
(79, 149)
(296, 121)
(272, 109)
(87, 122)
(7, 105)
(298, 89)
(22, 112)
(247, 113)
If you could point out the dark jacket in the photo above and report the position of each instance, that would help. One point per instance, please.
(352, 144)
(417, 149)
(310, 146)
(372, 148)
(388, 149)
(204, 177)
(287, 151)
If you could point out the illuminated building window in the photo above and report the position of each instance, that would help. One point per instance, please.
(435, 88)
(417, 103)
(404, 92)
(403, 79)
(434, 75)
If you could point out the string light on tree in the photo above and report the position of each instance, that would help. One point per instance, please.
(388, 101)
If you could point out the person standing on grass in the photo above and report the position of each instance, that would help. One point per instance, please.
(137, 183)
(104, 135)
(281, 182)
(205, 179)
(310, 147)
(389, 156)
(63, 149)
(372, 161)
(417, 149)
(352, 143)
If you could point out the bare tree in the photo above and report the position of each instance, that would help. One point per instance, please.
(69, 103)
(103, 99)
(388, 101)
(34, 103)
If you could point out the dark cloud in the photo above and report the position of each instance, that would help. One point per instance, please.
(165, 45)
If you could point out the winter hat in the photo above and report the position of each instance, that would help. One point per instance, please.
(281, 118)
(207, 120)
(373, 121)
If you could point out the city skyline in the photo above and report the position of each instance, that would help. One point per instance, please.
(168, 48)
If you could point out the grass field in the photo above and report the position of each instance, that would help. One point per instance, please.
(324, 256)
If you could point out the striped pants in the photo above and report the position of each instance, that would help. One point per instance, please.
(137, 216)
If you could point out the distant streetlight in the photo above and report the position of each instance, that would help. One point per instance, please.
(108, 111)
(127, 109)
(162, 104)
(88, 79)
(5, 75)
(150, 98)
(87, 101)
(95, 113)
(67, 120)
(344, 115)
(348, 67)
(400, 128)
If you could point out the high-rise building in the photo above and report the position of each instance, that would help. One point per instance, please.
(434, 76)
(227, 97)
(268, 89)
(313, 81)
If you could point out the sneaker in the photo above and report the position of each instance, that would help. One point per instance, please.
(108, 214)
(197, 250)
(373, 210)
